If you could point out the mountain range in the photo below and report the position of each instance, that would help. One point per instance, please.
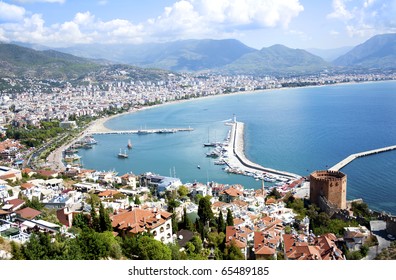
(219, 56)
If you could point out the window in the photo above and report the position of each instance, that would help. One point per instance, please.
(155, 233)
(167, 226)
(162, 229)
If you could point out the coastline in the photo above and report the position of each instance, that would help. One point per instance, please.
(55, 159)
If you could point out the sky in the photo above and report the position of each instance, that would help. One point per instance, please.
(323, 24)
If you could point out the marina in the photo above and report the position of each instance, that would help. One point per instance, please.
(238, 159)
(231, 153)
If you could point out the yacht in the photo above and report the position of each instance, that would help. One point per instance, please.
(122, 154)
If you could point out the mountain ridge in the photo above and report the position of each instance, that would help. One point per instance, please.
(377, 52)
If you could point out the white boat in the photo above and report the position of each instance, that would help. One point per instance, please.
(122, 155)
(129, 144)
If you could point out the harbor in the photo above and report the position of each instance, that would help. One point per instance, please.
(352, 157)
(231, 154)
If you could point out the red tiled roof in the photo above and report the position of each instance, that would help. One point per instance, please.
(47, 173)
(233, 235)
(27, 186)
(8, 176)
(15, 202)
(107, 193)
(139, 220)
(28, 213)
(233, 192)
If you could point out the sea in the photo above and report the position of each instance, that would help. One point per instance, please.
(299, 130)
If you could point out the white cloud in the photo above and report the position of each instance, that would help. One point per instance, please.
(184, 19)
(366, 18)
(197, 18)
(10, 12)
(340, 11)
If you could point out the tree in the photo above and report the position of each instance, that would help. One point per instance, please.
(16, 251)
(81, 221)
(230, 218)
(94, 218)
(150, 249)
(221, 226)
(182, 191)
(205, 211)
(232, 252)
(104, 220)
(137, 200)
(172, 204)
(186, 222)
(275, 193)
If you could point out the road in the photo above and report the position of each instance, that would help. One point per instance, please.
(378, 228)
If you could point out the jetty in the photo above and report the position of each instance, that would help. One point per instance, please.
(352, 157)
(141, 131)
(237, 158)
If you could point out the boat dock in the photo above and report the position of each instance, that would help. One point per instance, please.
(352, 157)
(238, 160)
(142, 131)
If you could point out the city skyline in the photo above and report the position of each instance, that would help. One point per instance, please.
(256, 23)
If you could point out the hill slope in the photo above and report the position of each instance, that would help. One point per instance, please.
(377, 52)
(17, 61)
(187, 55)
(277, 59)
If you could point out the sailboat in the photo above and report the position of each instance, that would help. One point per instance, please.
(122, 155)
(129, 144)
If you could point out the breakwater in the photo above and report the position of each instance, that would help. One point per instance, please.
(352, 157)
(237, 159)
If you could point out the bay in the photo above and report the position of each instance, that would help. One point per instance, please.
(298, 130)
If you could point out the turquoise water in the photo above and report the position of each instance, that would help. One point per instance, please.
(298, 130)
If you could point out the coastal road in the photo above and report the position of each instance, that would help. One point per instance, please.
(378, 228)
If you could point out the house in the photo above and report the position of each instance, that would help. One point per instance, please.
(129, 180)
(48, 173)
(236, 237)
(5, 215)
(355, 237)
(10, 174)
(65, 216)
(159, 183)
(266, 244)
(14, 204)
(301, 247)
(108, 194)
(28, 213)
(3, 193)
(298, 249)
(136, 220)
(29, 172)
(231, 194)
(328, 247)
(240, 204)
